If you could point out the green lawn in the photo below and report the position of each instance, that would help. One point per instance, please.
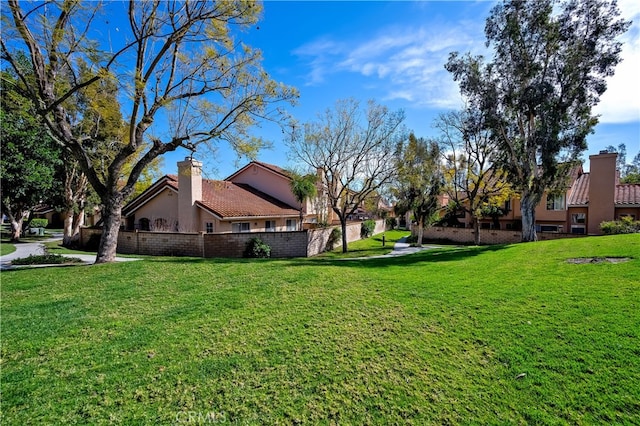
(369, 246)
(483, 335)
(6, 248)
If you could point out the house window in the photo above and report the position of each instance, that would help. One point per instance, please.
(209, 227)
(144, 224)
(555, 202)
(507, 206)
(548, 228)
(240, 227)
(578, 230)
(579, 218)
(270, 226)
(292, 225)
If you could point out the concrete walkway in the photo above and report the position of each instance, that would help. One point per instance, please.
(400, 248)
(27, 249)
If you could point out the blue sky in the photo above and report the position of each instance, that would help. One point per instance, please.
(394, 52)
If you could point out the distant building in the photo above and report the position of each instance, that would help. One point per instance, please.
(256, 198)
(590, 199)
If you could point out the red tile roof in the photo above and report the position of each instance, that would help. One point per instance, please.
(579, 192)
(627, 194)
(229, 200)
(224, 199)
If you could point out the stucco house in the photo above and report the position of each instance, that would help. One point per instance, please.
(256, 198)
(590, 199)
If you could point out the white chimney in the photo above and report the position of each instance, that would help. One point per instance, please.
(189, 191)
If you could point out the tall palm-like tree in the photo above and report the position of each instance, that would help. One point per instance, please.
(303, 188)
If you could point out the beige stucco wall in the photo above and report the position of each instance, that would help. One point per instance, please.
(163, 206)
(256, 225)
(268, 182)
(278, 187)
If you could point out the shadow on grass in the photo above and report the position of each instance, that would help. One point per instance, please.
(440, 254)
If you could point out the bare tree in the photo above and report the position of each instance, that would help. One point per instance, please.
(185, 78)
(354, 148)
(474, 182)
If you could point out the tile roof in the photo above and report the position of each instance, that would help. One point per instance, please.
(229, 200)
(224, 199)
(627, 194)
(579, 192)
(271, 167)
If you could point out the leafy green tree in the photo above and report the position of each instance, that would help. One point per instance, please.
(354, 148)
(548, 69)
(632, 171)
(303, 188)
(629, 172)
(186, 78)
(473, 181)
(419, 181)
(29, 157)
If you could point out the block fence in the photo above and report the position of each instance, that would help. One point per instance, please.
(283, 244)
(487, 236)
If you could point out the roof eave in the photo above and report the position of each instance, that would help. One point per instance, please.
(140, 201)
(262, 217)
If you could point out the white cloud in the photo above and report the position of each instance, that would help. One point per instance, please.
(621, 102)
(409, 61)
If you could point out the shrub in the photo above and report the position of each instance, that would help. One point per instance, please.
(367, 227)
(626, 225)
(45, 259)
(334, 237)
(38, 223)
(391, 223)
(256, 248)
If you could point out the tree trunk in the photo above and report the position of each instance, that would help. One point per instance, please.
(78, 222)
(528, 203)
(72, 223)
(420, 232)
(68, 229)
(476, 231)
(111, 217)
(343, 225)
(16, 229)
(16, 225)
(301, 217)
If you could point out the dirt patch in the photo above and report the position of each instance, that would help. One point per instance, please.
(582, 260)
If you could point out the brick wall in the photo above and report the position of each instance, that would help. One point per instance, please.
(283, 244)
(160, 243)
(487, 236)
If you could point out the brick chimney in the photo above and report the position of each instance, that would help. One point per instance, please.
(189, 191)
(602, 188)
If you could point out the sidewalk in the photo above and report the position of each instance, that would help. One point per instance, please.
(27, 249)
(400, 248)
